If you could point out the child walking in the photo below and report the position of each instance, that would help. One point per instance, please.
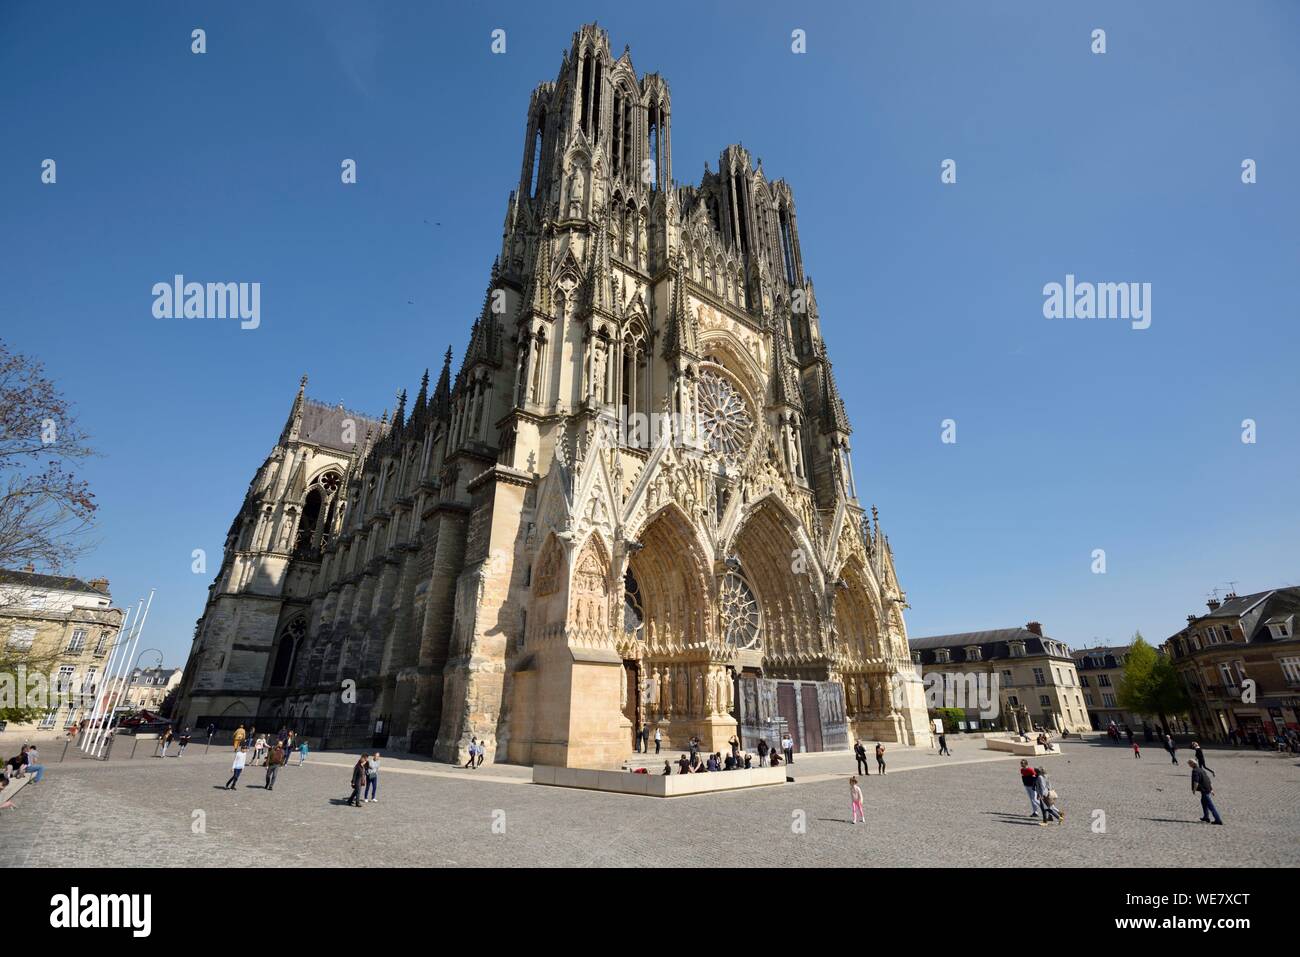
(237, 768)
(1136, 753)
(855, 798)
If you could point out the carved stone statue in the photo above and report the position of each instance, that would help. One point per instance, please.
(576, 193)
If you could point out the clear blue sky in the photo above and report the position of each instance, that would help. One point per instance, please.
(1071, 436)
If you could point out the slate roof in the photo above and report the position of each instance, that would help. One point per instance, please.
(1101, 658)
(54, 582)
(323, 425)
(993, 644)
(1236, 607)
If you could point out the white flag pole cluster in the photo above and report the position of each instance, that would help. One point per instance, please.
(103, 733)
(106, 679)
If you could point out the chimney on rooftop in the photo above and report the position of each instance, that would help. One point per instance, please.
(1213, 604)
(1036, 628)
(29, 568)
(99, 584)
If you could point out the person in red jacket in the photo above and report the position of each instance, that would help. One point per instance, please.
(1029, 778)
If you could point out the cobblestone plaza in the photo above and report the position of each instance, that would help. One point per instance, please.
(965, 810)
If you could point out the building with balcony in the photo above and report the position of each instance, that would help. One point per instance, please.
(1240, 663)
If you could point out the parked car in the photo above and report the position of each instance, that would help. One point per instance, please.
(143, 722)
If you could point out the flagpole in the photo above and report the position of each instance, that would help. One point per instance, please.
(108, 730)
(107, 677)
(120, 649)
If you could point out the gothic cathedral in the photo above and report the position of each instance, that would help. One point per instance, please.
(633, 505)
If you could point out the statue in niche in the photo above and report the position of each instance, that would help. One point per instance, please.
(576, 190)
(596, 388)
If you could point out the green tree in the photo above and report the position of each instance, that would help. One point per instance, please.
(1150, 685)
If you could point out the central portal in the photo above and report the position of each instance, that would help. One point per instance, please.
(682, 662)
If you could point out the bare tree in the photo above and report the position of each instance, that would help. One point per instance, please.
(44, 508)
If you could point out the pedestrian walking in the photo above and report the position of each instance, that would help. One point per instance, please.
(372, 778)
(1137, 752)
(855, 801)
(237, 768)
(473, 753)
(184, 742)
(166, 741)
(302, 752)
(1046, 798)
(482, 753)
(1029, 778)
(762, 752)
(659, 739)
(880, 757)
(787, 745)
(1171, 748)
(1200, 756)
(1202, 784)
(860, 753)
(358, 781)
(240, 736)
(274, 761)
(943, 745)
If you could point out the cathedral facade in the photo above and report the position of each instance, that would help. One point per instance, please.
(632, 506)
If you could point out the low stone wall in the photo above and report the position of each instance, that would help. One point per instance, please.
(1013, 746)
(657, 785)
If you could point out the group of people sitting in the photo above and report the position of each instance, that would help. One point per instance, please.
(733, 760)
(25, 762)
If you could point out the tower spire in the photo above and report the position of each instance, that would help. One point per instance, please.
(682, 337)
(598, 293)
(442, 391)
(293, 427)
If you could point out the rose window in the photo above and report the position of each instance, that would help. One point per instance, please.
(738, 611)
(330, 482)
(724, 417)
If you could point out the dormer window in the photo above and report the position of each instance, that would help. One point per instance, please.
(1281, 627)
(1017, 649)
(942, 656)
(973, 653)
